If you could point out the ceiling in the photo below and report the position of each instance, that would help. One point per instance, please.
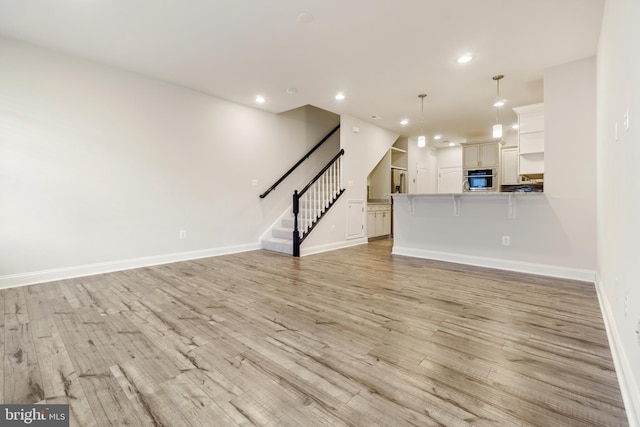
(381, 54)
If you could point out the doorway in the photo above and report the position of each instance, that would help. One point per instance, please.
(450, 179)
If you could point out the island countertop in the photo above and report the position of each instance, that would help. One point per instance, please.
(471, 194)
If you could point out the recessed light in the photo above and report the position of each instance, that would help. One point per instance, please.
(260, 99)
(515, 126)
(452, 144)
(292, 91)
(340, 96)
(375, 117)
(404, 122)
(499, 103)
(463, 59)
(437, 136)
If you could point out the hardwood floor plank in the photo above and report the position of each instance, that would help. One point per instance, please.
(60, 382)
(197, 407)
(22, 379)
(351, 337)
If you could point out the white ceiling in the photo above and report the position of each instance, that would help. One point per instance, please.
(380, 53)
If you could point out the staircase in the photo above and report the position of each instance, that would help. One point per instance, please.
(308, 207)
(281, 239)
(311, 209)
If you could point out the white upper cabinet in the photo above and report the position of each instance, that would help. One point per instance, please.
(509, 166)
(480, 155)
(531, 140)
(470, 156)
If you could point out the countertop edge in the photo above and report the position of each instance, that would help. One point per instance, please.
(478, 194)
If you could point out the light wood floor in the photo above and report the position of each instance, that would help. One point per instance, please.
(353, 337)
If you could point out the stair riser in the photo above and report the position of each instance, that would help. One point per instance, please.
(287, 222)
(277, 247)
(283, 233)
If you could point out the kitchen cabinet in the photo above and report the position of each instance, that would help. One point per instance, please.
(509, 166)
(480, 155)
(378, 220)
(531, 141)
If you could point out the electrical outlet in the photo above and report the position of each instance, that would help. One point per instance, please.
(183, 234)
(506, 240)
(333, 227)
(254, 182)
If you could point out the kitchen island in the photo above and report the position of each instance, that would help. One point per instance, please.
(456, 198)
(516, 231)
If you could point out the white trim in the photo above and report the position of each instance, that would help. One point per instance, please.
(501, 264)
(628, 386)
(332, 246)
(34, 277)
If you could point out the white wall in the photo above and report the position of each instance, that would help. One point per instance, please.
(99, 165)
(379, 180)
(450, 157)
(618, 202)
(553, 234)
(426, 157)
(570, 154)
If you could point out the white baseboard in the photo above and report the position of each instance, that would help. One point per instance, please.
(32, 278)
(304, 251)
(626, 380)
(501, 264)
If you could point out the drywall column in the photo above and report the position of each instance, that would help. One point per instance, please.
(618, 195)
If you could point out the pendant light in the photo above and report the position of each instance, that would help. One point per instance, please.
(497, 128)
(422, 140)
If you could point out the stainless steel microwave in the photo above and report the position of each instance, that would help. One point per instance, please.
(480, 180)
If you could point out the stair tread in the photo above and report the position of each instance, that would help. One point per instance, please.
(276, 240)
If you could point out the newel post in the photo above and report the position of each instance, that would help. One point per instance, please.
(296, 235)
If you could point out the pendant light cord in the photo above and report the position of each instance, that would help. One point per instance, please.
(422, 96)
(422, 116)
(497, 79)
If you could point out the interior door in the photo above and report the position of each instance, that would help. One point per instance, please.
(425, 179)
(355, 219)
(422, 181)
(450, 179)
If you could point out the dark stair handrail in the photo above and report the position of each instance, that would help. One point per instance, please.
(305, 157)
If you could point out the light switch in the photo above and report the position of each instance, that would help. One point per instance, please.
(626, 121)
